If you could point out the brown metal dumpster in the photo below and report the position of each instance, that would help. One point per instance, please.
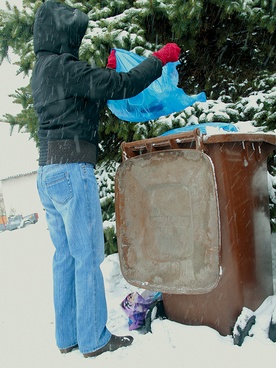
(192, 219)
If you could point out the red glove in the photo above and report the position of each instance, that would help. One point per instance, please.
(169, 52)
(111, 61)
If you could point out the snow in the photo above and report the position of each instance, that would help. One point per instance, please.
(19, 152)
(27, 319)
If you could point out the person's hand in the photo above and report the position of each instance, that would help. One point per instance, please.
(169, 53)
(111, 61)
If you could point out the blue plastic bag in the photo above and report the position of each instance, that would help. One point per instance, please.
(202, 127)
(162, 97)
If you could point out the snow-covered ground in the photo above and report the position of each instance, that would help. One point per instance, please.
(27, 321)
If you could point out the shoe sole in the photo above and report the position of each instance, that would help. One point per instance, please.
(68, 350)
(112, 345)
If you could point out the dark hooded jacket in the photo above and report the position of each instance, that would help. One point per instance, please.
(68, 93)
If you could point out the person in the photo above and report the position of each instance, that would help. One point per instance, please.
(68, 95)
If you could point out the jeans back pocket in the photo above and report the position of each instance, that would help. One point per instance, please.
(59, 187)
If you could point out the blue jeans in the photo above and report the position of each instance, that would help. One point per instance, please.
(69, 194)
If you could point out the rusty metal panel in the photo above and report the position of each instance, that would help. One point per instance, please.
(167, 221)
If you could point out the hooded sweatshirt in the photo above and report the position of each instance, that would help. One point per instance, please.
(68, 93)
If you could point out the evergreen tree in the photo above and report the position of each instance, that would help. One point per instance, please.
(228, 50)
(226, 45)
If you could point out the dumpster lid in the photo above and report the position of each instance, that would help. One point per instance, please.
(167, 221)
(191, 139)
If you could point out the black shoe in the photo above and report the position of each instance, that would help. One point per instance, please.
(68, 350)
(114, 343)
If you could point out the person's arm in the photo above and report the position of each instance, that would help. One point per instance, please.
(107, 84)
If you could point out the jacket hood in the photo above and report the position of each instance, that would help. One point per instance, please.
(59, 29)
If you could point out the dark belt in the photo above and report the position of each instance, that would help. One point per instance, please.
(69, 151)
